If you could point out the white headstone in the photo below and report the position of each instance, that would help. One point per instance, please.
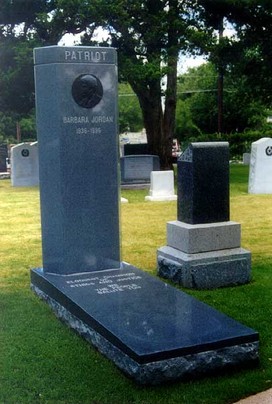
(25, 165)
(260, 173)
(246, 158)
(162, 186)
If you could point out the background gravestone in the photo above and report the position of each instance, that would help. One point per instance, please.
(260, 171)
(161, 186)
(3, 158)
(203, 246)
(136, 169)
(24, 165)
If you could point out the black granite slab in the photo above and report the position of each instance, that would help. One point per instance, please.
(203, 183)
(143, 317)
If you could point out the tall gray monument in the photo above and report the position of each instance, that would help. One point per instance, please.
(76, 98)
(111, 303)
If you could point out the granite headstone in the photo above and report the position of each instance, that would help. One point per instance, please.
(161, 186)
(3, 157)
(131, 149)
(24, 165)
(150, 330)
(203, 246)
(136, 169)
(76, 99)
(246, 158)
(260, 171)
(203, 183)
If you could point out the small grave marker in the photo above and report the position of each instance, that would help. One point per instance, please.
(162, 186)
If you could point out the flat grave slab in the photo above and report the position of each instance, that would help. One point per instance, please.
(151, 330)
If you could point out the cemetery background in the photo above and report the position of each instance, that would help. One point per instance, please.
(43, 361)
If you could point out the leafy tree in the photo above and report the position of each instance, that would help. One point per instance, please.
(130, 117)
(149, 35)
(255, 46)
(16, 80)
(247, 54)
(16, 75)
(24, 24)
(197, 91)
(185, 126)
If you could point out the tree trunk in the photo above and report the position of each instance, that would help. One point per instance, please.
(170, 109)
(159, 124)
(159, 141)
(220, 83)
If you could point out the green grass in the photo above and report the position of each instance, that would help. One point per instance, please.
(42, 361)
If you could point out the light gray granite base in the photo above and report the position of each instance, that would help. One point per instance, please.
(197, 238)
(184, 367)
(208, 270)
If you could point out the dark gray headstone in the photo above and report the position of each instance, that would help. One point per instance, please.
(137, 168)
(137, 148)
(203, 183)
(76, 101)
(3, 157)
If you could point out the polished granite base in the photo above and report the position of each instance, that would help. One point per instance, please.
(149, 329)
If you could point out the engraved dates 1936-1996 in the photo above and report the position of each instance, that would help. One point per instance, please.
(87, 90)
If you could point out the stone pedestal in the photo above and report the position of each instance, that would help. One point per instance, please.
(204, 256)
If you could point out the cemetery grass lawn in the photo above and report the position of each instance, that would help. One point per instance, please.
(42, 361)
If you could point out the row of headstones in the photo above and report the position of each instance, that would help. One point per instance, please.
(25, 170)
(134, 169)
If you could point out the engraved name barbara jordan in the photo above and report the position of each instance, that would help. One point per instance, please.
(85, 55)
(85, 119)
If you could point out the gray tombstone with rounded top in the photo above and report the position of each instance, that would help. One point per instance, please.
(24, 165)
(76, 99)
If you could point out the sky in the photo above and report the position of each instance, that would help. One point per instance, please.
(184, 63)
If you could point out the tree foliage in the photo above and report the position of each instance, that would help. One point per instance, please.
(197, 94)
(149, 36)
(130, 117)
